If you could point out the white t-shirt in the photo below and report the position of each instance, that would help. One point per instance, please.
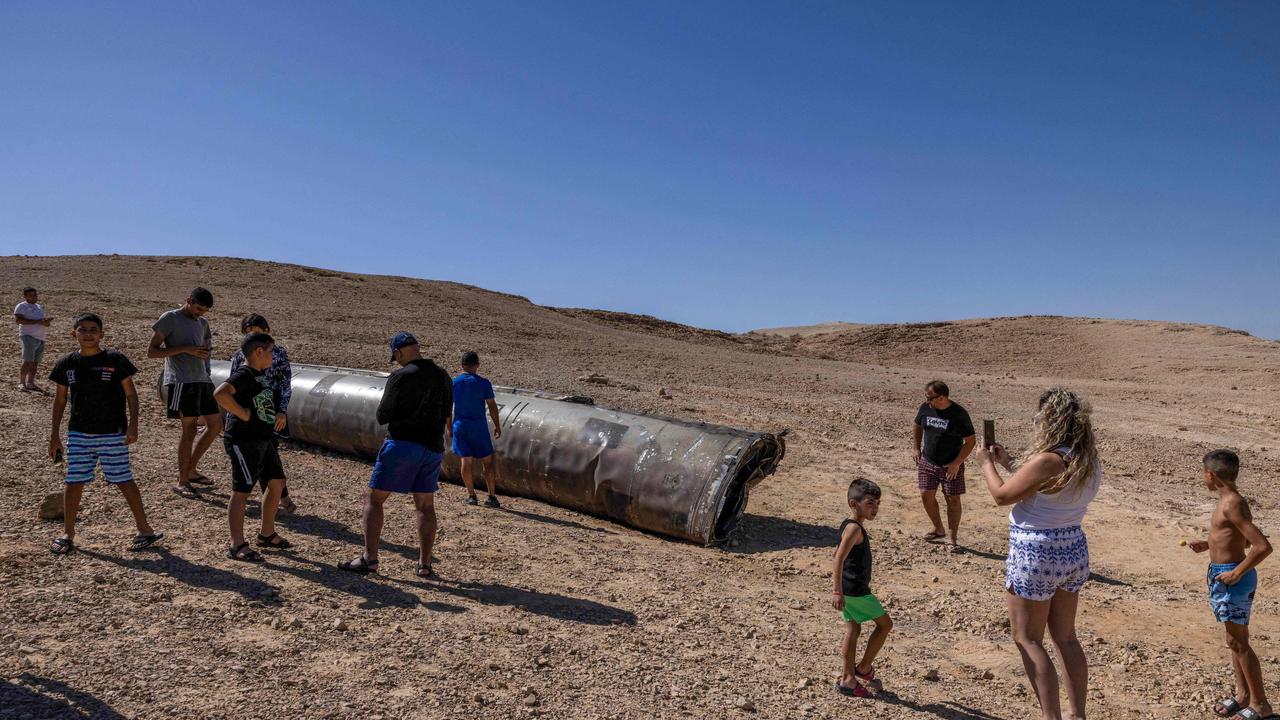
(31, 311)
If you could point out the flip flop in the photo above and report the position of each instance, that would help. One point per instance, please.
(62, 546)
(200, 480)
(1226, 707)
(933, 535)
(184, 491)
(855, 691)
(359, 565)
(425, 571)
(273, 541)
(244, 553)
(141, 542)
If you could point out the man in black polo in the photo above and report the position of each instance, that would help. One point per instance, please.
(416, 402)
(947, 435)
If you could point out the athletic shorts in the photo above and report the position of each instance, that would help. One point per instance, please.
(930, 476)
(85, 452)
(406, 467)
(471, 439)
(253, 462)
(1042, 562)
(191, 400)
(1231, 603)
(32, 349)
(862, 608)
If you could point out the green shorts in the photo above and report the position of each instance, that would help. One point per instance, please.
(862, 608)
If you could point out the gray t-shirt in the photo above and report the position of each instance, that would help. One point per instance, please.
(182, 330)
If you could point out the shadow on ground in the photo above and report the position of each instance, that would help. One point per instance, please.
(38, 697)
(560, 607)
(159, 561)
(947, 710)
(759, 534)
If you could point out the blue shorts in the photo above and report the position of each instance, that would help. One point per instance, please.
(406, 467)
(85, 452)
(471, 439)
(1231, 603)
(1043, 561)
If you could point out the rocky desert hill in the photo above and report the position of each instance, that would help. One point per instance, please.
(547, 612)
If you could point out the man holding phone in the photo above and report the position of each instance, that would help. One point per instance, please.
(943, 437)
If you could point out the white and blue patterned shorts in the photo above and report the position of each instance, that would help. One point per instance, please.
(1041, 562)
(85, 452)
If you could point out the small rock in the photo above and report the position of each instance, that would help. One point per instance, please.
(51, 507)
(931, 675)
(744, 705)
(519, 630)
(988, 675)
(804, 683)
(100, 579)
(543, 661)
(276, 624)
(493, 665)
(530, 700)
(294, 623)
(595, 379)
(28, 650)
(339, 624)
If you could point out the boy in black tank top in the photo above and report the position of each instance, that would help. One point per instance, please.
(852, 596)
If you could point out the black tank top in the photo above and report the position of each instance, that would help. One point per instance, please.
(856, 577)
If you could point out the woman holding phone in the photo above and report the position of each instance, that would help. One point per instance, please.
(1048, 561)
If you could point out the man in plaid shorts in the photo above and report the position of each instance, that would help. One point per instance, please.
(943, 437)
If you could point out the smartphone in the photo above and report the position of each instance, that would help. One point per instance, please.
(988, 432)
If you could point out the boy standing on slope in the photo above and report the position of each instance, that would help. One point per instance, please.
(182, 337)
(851, 595)
(32, 324)
(250, 403)
(100, 384)
(1233, 581)
(470, 430)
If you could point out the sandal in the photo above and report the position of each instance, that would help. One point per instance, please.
(869, 680)
(425, 571)
(244, 553)
(855, 691)
(141, 541)
(933, 535)
(1250, 714)
(287, 506)
(359, 565)
(200, 480)
(62, 546)
(273, 541)
(185, 491)
(1226, 707)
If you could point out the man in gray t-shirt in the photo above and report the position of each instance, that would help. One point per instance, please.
(182, 337)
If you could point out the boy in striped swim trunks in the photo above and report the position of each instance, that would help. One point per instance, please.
(99, 382)
(1235, 546)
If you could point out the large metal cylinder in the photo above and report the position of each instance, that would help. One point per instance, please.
(674, 477)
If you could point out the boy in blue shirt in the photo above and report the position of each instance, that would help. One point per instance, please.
(470, 430)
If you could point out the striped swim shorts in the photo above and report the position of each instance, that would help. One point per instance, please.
(85, 452)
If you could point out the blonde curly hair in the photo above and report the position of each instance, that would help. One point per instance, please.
(1063, 419)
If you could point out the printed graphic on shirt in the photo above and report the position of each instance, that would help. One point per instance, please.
(937, 423)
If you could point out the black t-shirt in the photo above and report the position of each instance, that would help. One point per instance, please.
(97, 390)
(416, 402)
(254, 393)
(944, 431)
(855, 577)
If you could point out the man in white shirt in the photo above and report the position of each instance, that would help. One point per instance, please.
(32, 323)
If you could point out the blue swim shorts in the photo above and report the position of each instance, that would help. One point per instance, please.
(1231, 603)
(471, 439)
(406, 467)
(85, 452)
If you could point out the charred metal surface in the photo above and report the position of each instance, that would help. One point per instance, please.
(675, 477)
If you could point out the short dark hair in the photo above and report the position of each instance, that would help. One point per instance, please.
(862, 487)
(938, 387)
(253, 341)
(87, 317)
(471, 357)
(28, 289)
(1224, 465)
(254, 320)
(200, 296)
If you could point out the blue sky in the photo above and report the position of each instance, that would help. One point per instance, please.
(730, 165)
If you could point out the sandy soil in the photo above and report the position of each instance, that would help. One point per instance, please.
(543, 611)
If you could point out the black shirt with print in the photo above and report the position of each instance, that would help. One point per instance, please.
(944, 431)
(97, 390)
(254, 393)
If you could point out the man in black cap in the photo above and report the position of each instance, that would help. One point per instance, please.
(415, 404)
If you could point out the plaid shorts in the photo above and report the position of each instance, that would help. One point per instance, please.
(930, 476)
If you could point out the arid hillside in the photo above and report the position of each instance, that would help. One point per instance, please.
(545, 612)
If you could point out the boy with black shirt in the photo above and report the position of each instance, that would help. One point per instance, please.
(250, 403)
(415, 405)
(948, 438)
(852, 593)
(100, 385)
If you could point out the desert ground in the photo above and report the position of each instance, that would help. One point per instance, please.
(546, 612)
